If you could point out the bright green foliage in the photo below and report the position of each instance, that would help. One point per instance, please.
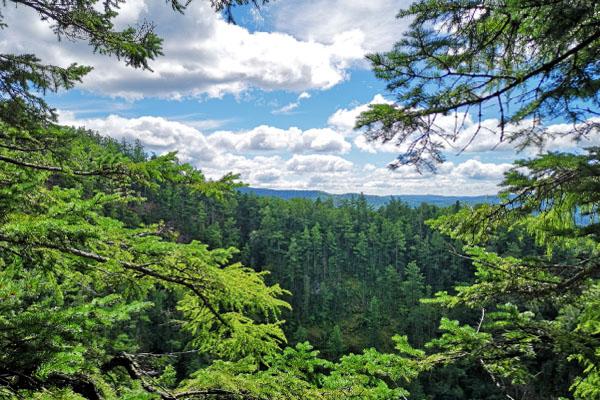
(533, 61)
(298, 373)
(339, 303)
(372, 375)
(555, 295)
(85, 275)
(291, 374)
(587, 386)
(120, 277)
(73, 275)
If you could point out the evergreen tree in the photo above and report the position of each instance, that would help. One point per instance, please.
(532, 60)
(534, 306)
(73, 276)
(335, 343)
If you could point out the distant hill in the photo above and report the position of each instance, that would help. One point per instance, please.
(376, 201)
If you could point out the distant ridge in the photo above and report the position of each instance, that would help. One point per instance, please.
(413, 200)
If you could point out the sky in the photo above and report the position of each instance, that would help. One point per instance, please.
(273, 98)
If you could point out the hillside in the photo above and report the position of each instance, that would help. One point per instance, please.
(413, 200)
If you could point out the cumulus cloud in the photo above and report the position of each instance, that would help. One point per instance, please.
(561, 140)
(222, 152)
(474, 169)
(293, 158)
(268, 138)
(262, 137)
(318, 163)
(362, 143)
(375, 19)
(475, 137)
(266, 176)
(204, 55)
(472, 136)
(156, 134)
(324, 140)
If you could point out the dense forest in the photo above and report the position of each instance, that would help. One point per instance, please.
(355, 274)
(127, 275)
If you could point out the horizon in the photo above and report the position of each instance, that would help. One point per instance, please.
(368, 194)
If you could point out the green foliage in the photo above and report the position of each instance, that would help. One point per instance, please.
(120, 275)
(461, 57)
(74, 274)
(554, 198)
(298, 373)
(291, 374)
(75, 269)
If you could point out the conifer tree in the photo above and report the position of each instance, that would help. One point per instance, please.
(533, 61)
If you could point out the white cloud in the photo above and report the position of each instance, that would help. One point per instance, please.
(130, 12)
(263, 137)
(268, 138)
(369, 167)
(321, 20)
(156, 134)
(484, 137)
(288, 108)
(563, 141)
(474, 169)
(324, 140)
(266, 176)
(203, 124)
(318, 163)
(203, 55)
(293, 158)
(472, 136)
(362, 143)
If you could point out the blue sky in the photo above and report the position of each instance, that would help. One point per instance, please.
(273, 98)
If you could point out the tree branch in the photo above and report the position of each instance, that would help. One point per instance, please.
(141, 268)
(52, 168)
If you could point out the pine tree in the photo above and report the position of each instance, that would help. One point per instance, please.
(532, 61)
(335, 343)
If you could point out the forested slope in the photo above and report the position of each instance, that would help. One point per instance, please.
(373, 200)
(356, 273)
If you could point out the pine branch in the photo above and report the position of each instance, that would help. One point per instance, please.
(79, 383)
(223, 394)
(544, 68)
(52, 168)
(141, 268)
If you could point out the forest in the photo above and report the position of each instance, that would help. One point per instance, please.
(126, 274)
